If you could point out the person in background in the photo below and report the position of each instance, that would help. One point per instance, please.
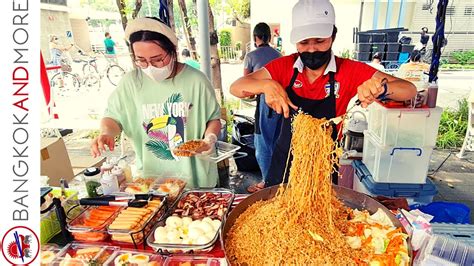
(277, 41)
(188, 60)
(160, 105)
(110, 47)
(57, 49)
(265, 133)
(377, 62)
(424, 37)
(314, 80)
(415, 71)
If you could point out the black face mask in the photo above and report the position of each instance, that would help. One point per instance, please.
(315, 60)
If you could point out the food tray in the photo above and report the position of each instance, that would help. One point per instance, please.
(223, 150)
(194, 261)
(84, 254)
(48, 254)
(171, 186)
(153, 259)
(136, 236)
(83, 232)
(195, 248)
(138, 186)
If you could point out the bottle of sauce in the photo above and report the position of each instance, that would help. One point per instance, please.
(127, 170)
(109, 184)
(106, 167)
(119, 173)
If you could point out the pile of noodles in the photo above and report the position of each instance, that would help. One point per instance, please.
(304, 223)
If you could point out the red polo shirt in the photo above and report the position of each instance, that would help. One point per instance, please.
(349, 75)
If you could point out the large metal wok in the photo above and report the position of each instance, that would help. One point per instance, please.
(349, 197)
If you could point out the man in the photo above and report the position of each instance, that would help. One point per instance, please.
(110, 47)
(314, 80)
(188, 60)
(265, 134)
(278, 42)
(424, 38)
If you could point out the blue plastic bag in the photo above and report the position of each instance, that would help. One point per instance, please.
(447, 212)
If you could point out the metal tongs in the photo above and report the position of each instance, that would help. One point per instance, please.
(136, 200)
(383, 96)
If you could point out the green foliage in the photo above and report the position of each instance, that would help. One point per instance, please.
(346, 53)
(463, 57)
(453, 126)
(225, 37)
(100, 5)
(230, 106)
(238, 46)
(238, 9)
(456, 66)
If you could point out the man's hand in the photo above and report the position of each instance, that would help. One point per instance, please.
(368, 91)
(277, 98)
(99, 143)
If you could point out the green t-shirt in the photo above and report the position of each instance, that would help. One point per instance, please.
(109, 46)
(193, 63)
(158, 116)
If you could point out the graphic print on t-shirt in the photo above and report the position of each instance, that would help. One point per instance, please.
(165, 125)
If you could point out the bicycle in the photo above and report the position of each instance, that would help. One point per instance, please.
(64, 79)
(112, 71)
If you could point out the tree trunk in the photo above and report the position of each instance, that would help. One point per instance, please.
(215, 61)
(171, 15)
(187, 29)
(138, 6)
(123, 17)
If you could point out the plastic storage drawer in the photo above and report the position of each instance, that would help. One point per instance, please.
(405, 127)
(396, 164)
(414, 193)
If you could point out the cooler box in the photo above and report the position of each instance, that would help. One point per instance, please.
(395, 164)
(415, 193)
(404, 127)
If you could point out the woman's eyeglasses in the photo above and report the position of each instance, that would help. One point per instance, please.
(143, 63)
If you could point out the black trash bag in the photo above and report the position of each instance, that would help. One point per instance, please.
(405, 40)
(243, 136)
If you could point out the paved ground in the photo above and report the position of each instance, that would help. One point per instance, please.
(454, 177)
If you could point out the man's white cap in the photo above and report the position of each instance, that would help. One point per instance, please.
(149, 24)
(312, 19)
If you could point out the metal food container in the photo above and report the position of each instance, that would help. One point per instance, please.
(349, 197)
(195, 248)
(84, 254)
(137, 236)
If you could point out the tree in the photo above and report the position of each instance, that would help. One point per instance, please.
(125, 9)
(238, 9)
(188, 33)
(215, 60)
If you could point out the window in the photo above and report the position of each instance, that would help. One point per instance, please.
(469, 11)
(55, 2)
(450, 10)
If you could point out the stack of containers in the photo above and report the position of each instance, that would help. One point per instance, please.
(397, 148)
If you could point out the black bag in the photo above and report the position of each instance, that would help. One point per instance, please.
(243, 136)
(405, 40)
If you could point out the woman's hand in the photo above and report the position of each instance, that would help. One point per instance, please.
(277, 98)
(368, 91)
(99, 143)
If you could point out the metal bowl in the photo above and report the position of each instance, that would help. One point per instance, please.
(349, 197)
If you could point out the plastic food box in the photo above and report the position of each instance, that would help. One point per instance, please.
(170, 186)
(49, 226)
(196, 248)
(83, 232)
(48, 254)
(194, 261)
(223, 150)
(136, 236)
(414, 193)
(404, 127)
(395, 164)
(443, 251)
(134, 257)
(462, 232)
(84, 254)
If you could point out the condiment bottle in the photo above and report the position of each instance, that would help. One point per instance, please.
(92, 181)
(109, 184)
(127, 171)
(106, 168)
(118, 172)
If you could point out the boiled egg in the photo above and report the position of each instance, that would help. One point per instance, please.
(186, 221)
(216, 224)
(195, 233)
(173, 222)
(47, 257)
(202, 240)
(139, 259)
(123, 258)
(206, 227)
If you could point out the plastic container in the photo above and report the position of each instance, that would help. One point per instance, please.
(136, 236)
(49, 225)
(396, 164)
(223, 150)
(391, 56)
(106, 167)
(171, 186)
(119, 173)
(92, 182)
(194, 260)
(85, 254)
(134, 257)
(392, 36)
(404, 127)
(48, 254)
(378, 47)
(461, 232)
(363, 47)
(407, 48)
(414, 193)
(127, 170)
(363, 37)
(377, 37)
(363, 56)
(393, 47)
(82, 229)
(196, 248)
(442, 251)
(109, 184)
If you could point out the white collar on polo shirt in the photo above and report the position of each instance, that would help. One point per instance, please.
(331, 67)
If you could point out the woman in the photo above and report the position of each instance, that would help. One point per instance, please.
(56, 50)
(160, 105)
(314, 80)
